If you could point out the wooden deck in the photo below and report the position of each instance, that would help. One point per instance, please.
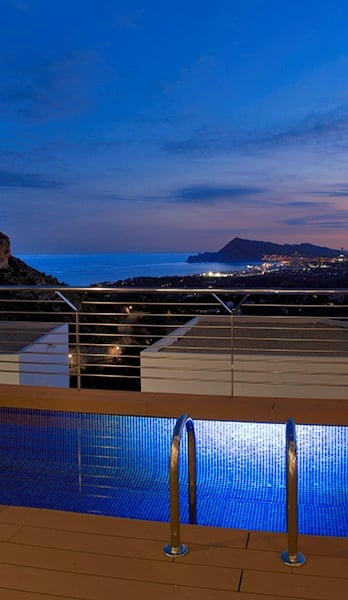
(55, 555)
(52, 555)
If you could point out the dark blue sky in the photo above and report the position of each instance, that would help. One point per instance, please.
(145, 125)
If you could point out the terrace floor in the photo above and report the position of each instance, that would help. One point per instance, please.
(52, 555)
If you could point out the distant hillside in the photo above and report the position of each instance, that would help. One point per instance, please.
(14, 271)
(239, 249)
(17, 272)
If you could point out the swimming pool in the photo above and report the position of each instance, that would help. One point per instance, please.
(118, 465)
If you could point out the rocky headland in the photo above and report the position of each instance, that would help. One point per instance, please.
(14, 271)
(241, 249)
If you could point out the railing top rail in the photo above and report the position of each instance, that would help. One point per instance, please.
(174, 290)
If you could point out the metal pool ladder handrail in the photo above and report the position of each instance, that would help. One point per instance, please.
(175, 548)
(291, 556)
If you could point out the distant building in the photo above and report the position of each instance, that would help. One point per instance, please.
(33, 353)
(258, 356)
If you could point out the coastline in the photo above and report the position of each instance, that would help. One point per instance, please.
(91, 269)
(98, 272)
(335, 276)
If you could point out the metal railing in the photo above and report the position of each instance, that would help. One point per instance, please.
(175, 548)
(252, 342)
(291, 556)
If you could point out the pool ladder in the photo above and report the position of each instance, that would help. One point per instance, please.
(175, 548)
(291, 556)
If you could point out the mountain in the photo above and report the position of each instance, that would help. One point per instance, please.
(239, 249)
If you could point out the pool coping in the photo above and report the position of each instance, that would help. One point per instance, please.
(254, 409)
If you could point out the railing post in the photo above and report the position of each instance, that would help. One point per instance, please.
(175, 548)
(77, 335)
(291, 556)
(78, 352)
(232, 355)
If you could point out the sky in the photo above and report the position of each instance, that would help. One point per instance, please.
(172, 125)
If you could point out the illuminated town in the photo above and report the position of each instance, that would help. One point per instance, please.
(292, 264)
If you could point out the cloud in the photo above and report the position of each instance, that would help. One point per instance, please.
(337, 191)
(330, 126)
(208, 193)
(103, 142)
(202, 142)
(318, 214)
(36, 88)
(317, 207)
(299, 204)
(11, 179)
(331, 224)
(10, 155)
(105, 198)
(329, 129)
(332, 220)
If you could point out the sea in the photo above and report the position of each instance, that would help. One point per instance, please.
(94, 269)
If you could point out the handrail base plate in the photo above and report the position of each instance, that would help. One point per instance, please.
(173, 552)
(300, 559)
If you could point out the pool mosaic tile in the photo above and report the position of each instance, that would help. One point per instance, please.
(118, 465)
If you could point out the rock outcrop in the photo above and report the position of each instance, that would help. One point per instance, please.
(5, 250)
(14, 271)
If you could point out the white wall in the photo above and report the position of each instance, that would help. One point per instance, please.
(251, 375)
(9, 368)
(46, 361)
(310, 376)
(186, 373)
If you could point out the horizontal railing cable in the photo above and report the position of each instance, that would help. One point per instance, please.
(173, 336)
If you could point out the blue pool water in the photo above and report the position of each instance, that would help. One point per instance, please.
(118, 465)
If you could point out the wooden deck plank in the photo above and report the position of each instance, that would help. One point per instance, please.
(133, 590)
(6, 594)
(130, 528)
(92, 587)
(308, 544)
(103, 565)
(7, 531)
(220, 556)
(298, 586)
(210, 555)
